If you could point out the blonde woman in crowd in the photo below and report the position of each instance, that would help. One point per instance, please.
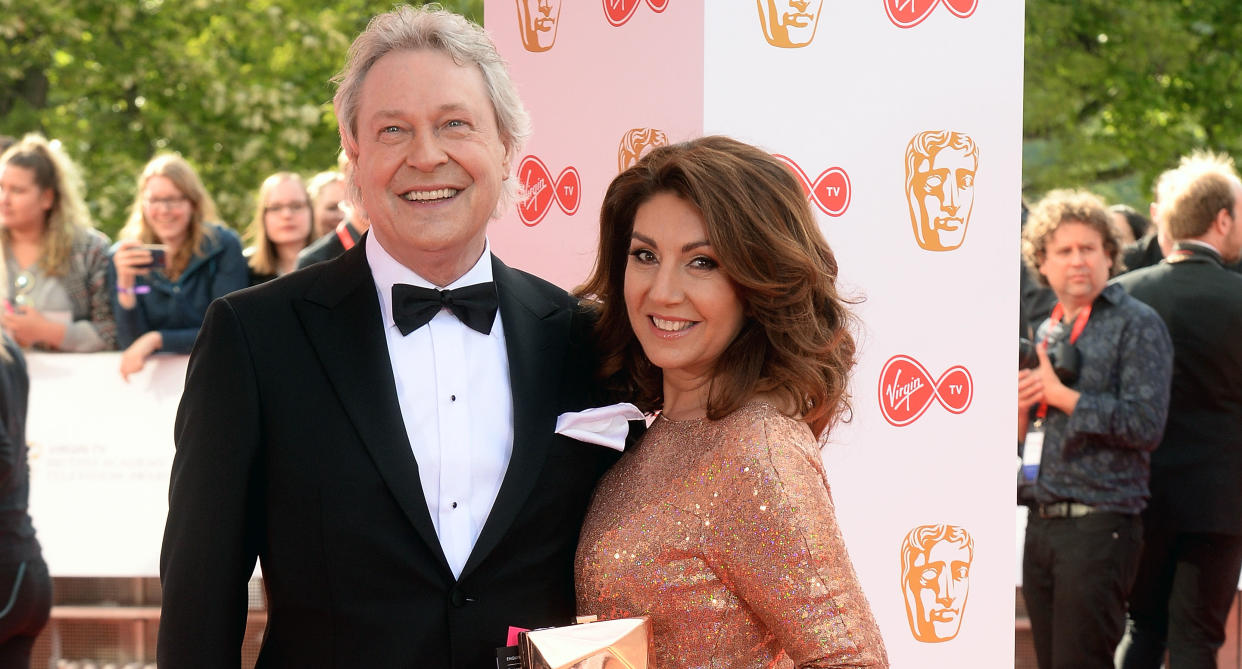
(282, 226)
(55, 263)
(171, 261)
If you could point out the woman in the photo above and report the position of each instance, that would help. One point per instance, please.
(25, 585)
(55, 264)
(719, 312)
(170, 264)
(281, 227)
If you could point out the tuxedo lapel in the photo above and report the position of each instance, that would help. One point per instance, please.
(536, 337)
(341, 314)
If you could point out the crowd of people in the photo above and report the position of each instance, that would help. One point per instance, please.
(1129, 408)
(67, 288)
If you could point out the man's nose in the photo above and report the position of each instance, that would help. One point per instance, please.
(951, 197)
(425, 152)
(946, 589)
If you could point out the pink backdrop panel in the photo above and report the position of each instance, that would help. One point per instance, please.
(593, 82)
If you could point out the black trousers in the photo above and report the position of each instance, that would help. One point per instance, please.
(1181, 598)
(25, 603)
(1076, 575)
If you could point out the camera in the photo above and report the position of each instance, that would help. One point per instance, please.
(1063, 355)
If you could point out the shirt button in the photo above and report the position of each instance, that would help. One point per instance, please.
(452, 398)
(453, 505)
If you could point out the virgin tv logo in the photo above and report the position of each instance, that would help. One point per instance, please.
(907, 390)
(542, 190)
(830, 191)
(618, 12)
(910, 13)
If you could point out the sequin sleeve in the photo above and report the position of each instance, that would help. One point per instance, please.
(776, 543)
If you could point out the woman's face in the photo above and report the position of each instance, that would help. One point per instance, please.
(287, 214)
(167, 210)
(23, 205)
(682, 306)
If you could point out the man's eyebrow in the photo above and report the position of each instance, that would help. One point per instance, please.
(444, 108)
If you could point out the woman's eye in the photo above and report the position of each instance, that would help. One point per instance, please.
(644, 256)
(703, 262)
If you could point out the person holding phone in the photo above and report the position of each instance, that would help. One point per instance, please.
(171, 262)
(53, 292)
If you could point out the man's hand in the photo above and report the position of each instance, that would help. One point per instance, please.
(1056, 394)
(135, 357)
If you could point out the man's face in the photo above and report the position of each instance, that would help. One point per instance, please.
(789, 23)
(430, 161)
(1076, 264)
(943, 193)
(936, 587)
(538, 19)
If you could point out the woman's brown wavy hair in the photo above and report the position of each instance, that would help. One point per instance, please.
(795, 343)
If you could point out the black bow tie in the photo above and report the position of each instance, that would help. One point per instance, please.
(414, 306)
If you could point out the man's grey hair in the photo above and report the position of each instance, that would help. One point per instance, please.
(433, 28)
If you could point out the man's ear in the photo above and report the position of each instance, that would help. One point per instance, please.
(349, 143)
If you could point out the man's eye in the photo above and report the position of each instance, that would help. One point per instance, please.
(966, 180)
(933, 182)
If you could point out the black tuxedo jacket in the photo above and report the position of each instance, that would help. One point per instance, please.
(1196, 472)
(291, 448)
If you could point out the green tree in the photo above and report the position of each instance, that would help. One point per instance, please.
(1115, 92)
(239, 87)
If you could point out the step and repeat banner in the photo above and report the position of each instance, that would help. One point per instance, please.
(902, 118)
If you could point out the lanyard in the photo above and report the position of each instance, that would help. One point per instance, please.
(1058, 312)
(342, 233)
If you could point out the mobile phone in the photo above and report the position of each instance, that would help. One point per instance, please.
(159, 255)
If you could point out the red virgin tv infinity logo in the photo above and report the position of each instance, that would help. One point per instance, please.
(541, 190)
(830, 191)
(910, 13)
(907, 390)
(619, 11)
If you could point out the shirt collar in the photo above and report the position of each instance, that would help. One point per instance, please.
(386, 271)
(1197, 246)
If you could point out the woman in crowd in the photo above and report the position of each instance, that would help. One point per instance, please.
(719, 313)
(25, 585)
(55, 265)
(171, 262)
(282, 226)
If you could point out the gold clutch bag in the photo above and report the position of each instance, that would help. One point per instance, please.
(608, 644)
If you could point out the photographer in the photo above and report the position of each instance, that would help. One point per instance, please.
(1093, 411)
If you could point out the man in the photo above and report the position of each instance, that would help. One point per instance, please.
(1192, 529)
(789, 23)
(935, 578)
(345, 233)
(392, 464)
(940, 187)
(1097, 430)
(327, 194)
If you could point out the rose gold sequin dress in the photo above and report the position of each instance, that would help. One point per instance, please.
(724, 533)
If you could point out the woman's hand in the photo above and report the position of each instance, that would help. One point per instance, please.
(29, 327)
(131, 261)
(135, 357)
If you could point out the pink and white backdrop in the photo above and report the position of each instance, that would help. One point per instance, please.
(890, 110)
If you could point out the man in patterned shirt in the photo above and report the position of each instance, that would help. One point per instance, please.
(1094, 422)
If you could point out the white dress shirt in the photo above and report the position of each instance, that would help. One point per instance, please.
(456, 402)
